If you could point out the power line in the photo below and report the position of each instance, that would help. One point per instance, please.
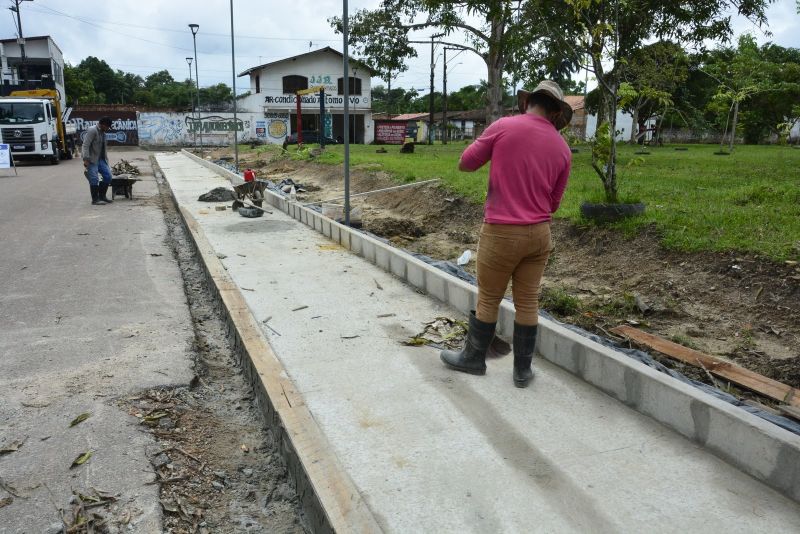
(170, 30)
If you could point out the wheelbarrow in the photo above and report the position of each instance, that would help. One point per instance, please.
(122, 184)
(252, 192)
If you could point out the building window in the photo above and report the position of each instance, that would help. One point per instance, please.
(354, 87)
(294, 83)
(258, 83)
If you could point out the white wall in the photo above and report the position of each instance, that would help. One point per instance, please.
(179, 129)
(624, 125)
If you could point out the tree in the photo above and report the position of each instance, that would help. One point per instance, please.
(79, 87)
(493, 28)
(103, 78)
(653, 74)
(604, 35)
(379, 38)
(761, 83)
(394, 101)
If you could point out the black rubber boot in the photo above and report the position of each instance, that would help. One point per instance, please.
(96, 196)
(472, 358)
(524, 345)
(103, 188)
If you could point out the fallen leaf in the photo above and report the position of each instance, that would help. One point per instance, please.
(14, 446)
(81, 459)
(153, 417)
(10, 489)
(80, 419)
(6, 501)
(245, 448)
(378, 285)
(155, 254)
(35, 404)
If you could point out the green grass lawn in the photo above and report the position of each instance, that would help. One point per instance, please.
(748, 201)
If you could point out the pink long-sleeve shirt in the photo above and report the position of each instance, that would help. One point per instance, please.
(529, 169)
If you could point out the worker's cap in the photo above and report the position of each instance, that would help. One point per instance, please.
(551, 89)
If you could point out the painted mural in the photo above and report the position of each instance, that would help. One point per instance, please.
(123, 125)
(184, 129)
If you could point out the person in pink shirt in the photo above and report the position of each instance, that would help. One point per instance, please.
(527, 178)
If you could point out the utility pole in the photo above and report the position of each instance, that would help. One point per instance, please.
(430, 119)
(444, 94)
(21, 42)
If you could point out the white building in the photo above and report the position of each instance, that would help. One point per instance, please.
(44, 64)
(273, 88)
(624, 125)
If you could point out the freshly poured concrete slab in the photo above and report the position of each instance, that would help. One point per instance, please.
(434, 450)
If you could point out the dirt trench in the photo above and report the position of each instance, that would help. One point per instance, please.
(217, 466)
(737, 306)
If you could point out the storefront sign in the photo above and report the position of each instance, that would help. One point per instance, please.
(390, 132)
(313, 100)
(261, 129)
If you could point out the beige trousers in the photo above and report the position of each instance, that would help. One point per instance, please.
(512, 252)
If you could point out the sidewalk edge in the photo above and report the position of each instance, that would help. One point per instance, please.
(330, 499)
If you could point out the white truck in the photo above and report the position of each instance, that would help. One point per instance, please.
(31, 123)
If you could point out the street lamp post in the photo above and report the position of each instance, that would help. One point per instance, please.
(346, 118)
(194, 28)
(191, 97)
(235, 123)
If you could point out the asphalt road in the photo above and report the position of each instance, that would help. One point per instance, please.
(92, 309)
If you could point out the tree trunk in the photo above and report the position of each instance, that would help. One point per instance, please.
(495, 62)
(635, 125)
(733, 127)
(608, 104)
(610, 179)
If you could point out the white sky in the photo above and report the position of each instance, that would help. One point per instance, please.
(145, 36)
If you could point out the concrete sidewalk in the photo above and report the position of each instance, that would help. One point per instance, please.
(436, 451)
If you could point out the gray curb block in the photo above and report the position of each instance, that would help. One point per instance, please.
(753, 445)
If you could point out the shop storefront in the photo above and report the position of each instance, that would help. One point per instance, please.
(274, 87)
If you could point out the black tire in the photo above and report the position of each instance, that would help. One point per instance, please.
(604, 213)
(55, 159)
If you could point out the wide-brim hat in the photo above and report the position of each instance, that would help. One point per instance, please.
(551, 89)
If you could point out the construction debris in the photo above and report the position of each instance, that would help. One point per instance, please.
(729, 371)
(218, 194)
(125, 167)
(442, 332)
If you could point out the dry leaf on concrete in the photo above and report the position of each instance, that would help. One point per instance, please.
(80, 419)
(81, 459)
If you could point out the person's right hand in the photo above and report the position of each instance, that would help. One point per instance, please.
(86, 163)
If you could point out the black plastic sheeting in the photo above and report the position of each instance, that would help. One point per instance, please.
(454, 269)
(643, 357)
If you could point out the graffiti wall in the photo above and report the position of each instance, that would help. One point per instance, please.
(214, 129)
(123, 125)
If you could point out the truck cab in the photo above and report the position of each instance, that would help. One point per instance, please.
(31, 127)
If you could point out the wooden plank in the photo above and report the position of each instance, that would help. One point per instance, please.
(729, 371)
